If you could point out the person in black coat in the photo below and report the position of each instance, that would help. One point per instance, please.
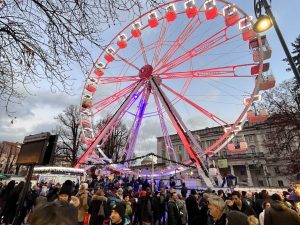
(173, 211)
(10, 208)
(157, 214)
(98, 214)
(5, 193)
(192, 207)
(184, 190)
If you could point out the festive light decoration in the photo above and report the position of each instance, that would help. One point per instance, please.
(58, 170)
(137, 158)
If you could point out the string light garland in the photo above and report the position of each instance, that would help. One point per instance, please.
(137, 158)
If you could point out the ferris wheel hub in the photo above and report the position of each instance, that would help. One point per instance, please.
(146, 72)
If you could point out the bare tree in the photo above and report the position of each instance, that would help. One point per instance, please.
(68, 146)
(40, 40)
(283, 104)
(114, 146)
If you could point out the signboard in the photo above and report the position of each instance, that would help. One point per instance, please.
(222, 163)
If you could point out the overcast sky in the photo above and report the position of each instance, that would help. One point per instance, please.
(36, 113)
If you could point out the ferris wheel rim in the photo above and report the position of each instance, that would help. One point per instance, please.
(255, 91)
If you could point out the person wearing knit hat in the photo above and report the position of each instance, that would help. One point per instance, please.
(237, 218)
(65, 192)
(117, 215)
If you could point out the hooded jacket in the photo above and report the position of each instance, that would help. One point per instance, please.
(280, 214)
(83, 206)
(96, 202)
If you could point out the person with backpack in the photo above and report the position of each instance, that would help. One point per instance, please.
(98, 208)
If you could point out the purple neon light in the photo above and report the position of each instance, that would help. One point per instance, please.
(138, 122)
(168, 142)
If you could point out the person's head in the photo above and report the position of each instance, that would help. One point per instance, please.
(297, 191)
(83, 186)
(276, 197)
(118, 213)
(249, 195)
(193, 192)
(148, 190)
(174, 196)
(266, 205)
(236, 197)
(264, 194)
(236, 218)
(126, 197)
(65, 192)
(52, 213)
(216, 206)
(221, 193)
(252, 220)
(10, 185)
(180, 196)
(99, 192)
(143, 194)
(120, 191)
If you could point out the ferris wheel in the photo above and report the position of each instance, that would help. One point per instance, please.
(182, 66)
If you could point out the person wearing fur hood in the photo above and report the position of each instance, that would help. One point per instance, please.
(98, 208)
(65, 195)
(83, 195)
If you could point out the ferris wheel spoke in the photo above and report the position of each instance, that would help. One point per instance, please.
(160, 41)
(111, 121)
(209, 44)
(208, 114)
(143, 50)
(168, 143)
(126, 61)
(100, 105)
(217, 72)
(183, 36)
(137, 123)
(188, 140)
(117, 79)
(117, 122)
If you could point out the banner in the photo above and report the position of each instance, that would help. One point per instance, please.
(222, 163)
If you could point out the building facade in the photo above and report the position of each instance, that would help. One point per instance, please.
(9, 152)
(256, 166)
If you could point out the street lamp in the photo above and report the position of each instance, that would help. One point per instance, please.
(264, 22)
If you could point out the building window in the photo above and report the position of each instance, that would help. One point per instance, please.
(250, 138)
(280, 183)
(276, 169)
(268, 136)
(180, 157)
(253, 149)
(179, 148)
(260, 183)
(243, 171)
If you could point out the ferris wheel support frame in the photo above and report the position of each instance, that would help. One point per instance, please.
(183, 133)
(109, 124)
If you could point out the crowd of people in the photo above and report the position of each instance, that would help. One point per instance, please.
(136, 202)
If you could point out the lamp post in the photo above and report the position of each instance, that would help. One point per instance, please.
(263, 24)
